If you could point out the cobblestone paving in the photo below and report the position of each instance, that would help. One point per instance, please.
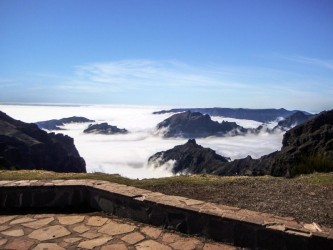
(91, 231)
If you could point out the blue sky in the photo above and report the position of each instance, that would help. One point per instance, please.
(240, 53)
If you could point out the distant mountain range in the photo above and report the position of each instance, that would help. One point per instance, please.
(260, 115)
(55, 124)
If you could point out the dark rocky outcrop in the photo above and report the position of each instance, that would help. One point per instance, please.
(55, 124)
(306, 148)
(260, 115)
(195, 125)
(25, 146)
(189, 158)
(293, 120)
(194, 159)
(105, 129)
(310, 141)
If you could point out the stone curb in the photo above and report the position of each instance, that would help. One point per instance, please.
(239, 227)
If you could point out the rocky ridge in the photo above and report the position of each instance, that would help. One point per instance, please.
(104, 128)
(196, 125)
(189, 158)
(25, 146)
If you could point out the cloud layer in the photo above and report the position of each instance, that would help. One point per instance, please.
(127, 154)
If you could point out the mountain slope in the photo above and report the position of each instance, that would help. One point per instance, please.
(25, 146)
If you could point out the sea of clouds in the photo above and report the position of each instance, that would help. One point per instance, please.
(127, 154)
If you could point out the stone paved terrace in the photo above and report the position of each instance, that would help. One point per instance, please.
(228, 225)
(91, 231)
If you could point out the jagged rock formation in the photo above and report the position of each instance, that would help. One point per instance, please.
(306, 148)
(189, 158)
(105, 129)
(260, 115)
(195, 125)
(55, 124)
(25, 146)
(293, 120)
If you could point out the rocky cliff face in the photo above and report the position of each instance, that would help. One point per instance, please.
(25, 146)
(306, 148)
(195, 125)
(105, 129)
(310, 141)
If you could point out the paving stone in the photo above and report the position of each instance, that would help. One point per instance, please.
(81, 229)
(90, 244)
(186, 244)
(2, 183)
(14, 233)
(3, 228)
(22, 183)
(49, 233)
(48, 246)
(170, 238)
(90, 235)
(39, 223)
(277, 227)
(96, 221)
(151, 244)
(114, 228)
(117, 246)
(43, 216)
(70, 220)
(67, 245)
(152, 232)
(72, 240)
(19, 244)
(4, 219)
(210, 246)
(3, 241)
(298, 233)
(21, 220)
(133, 238)
(191, 202)
(314, 227)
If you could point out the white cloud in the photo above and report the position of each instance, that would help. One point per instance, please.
(328, 64)
(180, 84)
(126, 75)
(128, 154)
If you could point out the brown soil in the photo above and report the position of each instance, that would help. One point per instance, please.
(284, 197)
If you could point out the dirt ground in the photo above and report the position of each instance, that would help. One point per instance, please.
(284, 197)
